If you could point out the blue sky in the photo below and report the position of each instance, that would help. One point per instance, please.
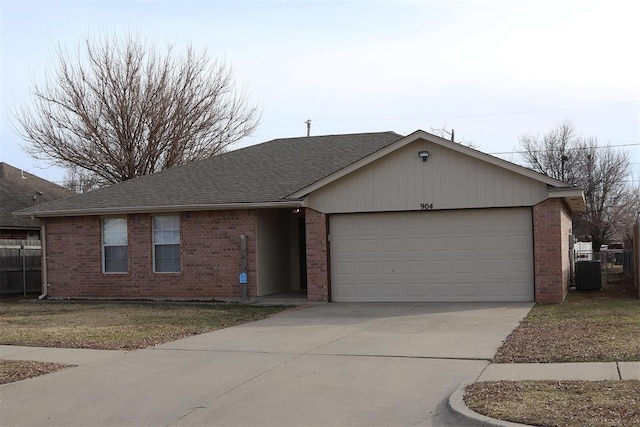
(491, 70)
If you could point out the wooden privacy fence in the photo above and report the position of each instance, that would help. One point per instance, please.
(636, 255)
(20, 267)
(627, 264)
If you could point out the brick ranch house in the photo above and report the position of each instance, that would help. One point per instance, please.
(361, 217)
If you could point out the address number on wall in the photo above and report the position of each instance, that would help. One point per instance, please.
(426, 206)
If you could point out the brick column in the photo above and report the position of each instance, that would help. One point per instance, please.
(317, 259)
(551, 228)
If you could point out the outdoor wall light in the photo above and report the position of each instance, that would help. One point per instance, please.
(296, 210)
(424, 155)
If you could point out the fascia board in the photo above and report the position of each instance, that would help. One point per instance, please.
(158, 209)
(574, 197)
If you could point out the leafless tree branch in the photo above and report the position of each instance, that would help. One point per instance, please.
(124, 109)
(601, 171)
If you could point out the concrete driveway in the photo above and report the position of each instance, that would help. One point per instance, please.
(330, 364)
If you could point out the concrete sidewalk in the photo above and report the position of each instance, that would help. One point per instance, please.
(460, 414)
(68, 356)
(586, 371)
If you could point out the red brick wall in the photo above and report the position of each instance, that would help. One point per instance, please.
(317, 260)
(566, 225)
(209, 251)
(551, 228)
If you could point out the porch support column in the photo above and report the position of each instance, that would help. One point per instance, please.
(317, 256)
(551, 229)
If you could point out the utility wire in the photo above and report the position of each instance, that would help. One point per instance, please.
(570, 149)
(455, 116)
(507, 113)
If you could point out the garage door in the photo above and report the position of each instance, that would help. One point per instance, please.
(465, 255)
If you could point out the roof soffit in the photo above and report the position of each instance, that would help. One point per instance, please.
(574, 197)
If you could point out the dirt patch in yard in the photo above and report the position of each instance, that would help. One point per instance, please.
(558, 403)
(18, 370)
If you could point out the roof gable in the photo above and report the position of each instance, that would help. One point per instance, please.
(401, 181)
(420, 134)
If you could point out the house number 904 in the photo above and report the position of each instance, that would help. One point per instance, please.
(426, 206)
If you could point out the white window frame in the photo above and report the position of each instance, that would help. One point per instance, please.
(108, 242)
(175, 230)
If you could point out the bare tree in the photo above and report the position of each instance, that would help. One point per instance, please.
(601, 171)
(557, 154)
(124, 109)
(628, 217)
(79, 180)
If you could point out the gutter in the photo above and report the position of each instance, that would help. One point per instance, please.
(169, 208)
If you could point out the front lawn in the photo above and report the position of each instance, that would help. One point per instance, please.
(558, 403)
(116, 326)
(108, 326)
(590, 326)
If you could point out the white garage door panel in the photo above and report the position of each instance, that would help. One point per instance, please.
(466, 255)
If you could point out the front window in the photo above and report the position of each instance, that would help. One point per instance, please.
(114, 245)
(166, 244)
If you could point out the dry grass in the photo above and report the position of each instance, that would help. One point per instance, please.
(116, 326)
(590, 326)
(18, 370)
(593, 326)
(108, 326)
(558, 403)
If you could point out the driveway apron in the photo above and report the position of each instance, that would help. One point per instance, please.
(329, 364)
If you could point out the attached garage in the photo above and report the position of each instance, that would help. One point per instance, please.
(427, 220)
(457, 255)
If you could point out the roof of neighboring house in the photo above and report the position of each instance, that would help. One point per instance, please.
(260, 174)
(17, 189)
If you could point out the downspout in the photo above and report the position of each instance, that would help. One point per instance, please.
(43, 244)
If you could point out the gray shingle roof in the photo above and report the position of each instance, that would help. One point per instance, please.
(17, 189)
(263, 173)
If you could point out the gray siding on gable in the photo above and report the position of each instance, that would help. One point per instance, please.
(401, 181)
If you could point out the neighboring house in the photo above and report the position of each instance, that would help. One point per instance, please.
(19, 190)
(362, 217)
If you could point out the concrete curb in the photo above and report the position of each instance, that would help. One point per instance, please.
(471, 418)
(580, 371)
